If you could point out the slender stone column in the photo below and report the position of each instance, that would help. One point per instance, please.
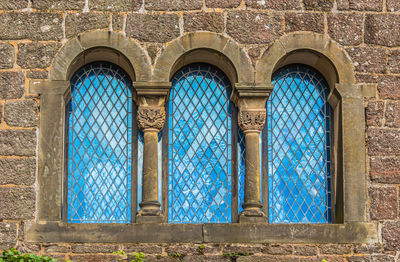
(252, 121)
(150, 120)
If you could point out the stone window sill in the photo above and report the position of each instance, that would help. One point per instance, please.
(202, 233)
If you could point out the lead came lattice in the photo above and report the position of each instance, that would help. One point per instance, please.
(99, 146)
(200, 147)
(299, 147)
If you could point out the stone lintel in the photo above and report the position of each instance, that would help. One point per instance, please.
(53, 232)
(55, 87)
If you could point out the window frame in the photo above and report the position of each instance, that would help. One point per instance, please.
(346, 96)
(331, 151)
(134, 149)
(234, 158)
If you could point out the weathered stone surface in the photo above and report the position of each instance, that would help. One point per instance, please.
(335, 249)
(17, 142)
(17, 202)
(7, 53)
(366, 78)
(389, 87)
(93, 258)
(393, 5)
(374, 258)
(59, 5)
(374, 113)
(21, 113)
(385, 170)
(181, 249)
(394, 61)
(115, 5)
(222, 3)
(382, 29)
(254, 28)
(368, 248)
(197, 258)
(305, 250)
(345, 28)
(147, 249)
(278, 4)
(34, 26)
(12, 85)
(320, 5)
(13, 4)
(304, 22)
(37, 74)
(391, 235)
(213, 22)
(173, 5)
(383, 141)
(278, 249)
(81, 22)
(268, 258)
(383, 203)
(211, 249)
(392, 114)
(8, 235)
(56, 249)
(117, 22)
(249, 249)
(365, 5)
(153, 49)
(36, 55)
(94, 248)
(368, 59)
(153, 28)
(20, 171)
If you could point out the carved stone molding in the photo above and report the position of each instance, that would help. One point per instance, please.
(151, 118)
(252, 120)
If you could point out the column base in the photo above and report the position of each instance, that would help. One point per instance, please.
(149, 217)
(149, 213)
(252, 216)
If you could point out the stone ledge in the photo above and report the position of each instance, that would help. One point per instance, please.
(206, 233)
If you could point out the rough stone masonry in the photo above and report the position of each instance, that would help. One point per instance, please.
(33, 31)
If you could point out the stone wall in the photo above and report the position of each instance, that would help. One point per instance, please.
(32, 32)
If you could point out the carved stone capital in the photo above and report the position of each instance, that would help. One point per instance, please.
(252, 120)
(151, 118)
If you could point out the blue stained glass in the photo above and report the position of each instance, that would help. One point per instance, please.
(200, 182)
(99, 155)
(298, 147)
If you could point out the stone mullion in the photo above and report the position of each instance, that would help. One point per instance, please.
(151, 120)
(252, 121)
(251, 101)
(150, 98)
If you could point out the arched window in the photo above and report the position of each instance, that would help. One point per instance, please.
(200, 140)
(99, 145)
(299, 141)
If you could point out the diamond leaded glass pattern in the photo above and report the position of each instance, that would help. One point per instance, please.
(200, 146)
(299, 147)
(99, 145)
